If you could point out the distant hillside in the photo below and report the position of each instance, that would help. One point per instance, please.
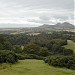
(64, 25)
(58, 26)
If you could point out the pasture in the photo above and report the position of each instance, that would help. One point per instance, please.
(33, 67)
(70, 45)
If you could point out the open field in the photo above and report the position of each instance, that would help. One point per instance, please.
(70, 45)
(33, 67)
(14, 33)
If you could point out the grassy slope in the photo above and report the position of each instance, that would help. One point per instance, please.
(71, 45)
(33, 67)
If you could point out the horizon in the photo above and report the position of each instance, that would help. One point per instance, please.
(21, 26)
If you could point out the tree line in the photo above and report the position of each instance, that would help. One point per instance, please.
(43, 46)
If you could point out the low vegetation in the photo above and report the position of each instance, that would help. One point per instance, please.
(33, 67)
(7, 56)
(61, 61)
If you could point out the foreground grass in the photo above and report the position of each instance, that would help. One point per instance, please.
(70, 45)
(33, 67)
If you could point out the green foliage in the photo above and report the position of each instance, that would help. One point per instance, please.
(7, 56)
(18, 39)
(35, 49)
(1, 46)
(4, 44)
(31, 49)
(43, 52)
(68, 52)
(17, 49)
(29, 56)
(63, 35)
(7, 46)
(2, 38)
(61, 61)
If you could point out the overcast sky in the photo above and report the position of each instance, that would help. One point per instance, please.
(35, 12)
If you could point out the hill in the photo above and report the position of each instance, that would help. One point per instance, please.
(58, 26)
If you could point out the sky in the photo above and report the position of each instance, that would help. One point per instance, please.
(33, 13)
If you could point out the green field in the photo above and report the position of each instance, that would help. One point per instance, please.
(14, 33)
(33, 67)
(70, 45)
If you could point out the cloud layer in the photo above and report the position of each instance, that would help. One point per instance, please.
(36, 12)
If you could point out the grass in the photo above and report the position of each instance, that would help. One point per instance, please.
(33, 67)
(70, 45)
(14, 33)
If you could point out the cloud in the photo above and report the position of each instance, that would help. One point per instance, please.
(36, 11)
(47, 16)
(66, 4)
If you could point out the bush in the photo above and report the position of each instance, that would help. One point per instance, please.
(7, 56)
(34, 49)
(46, 59)
(61, 61)
(17, 49)
(20, 56)
(43, 51)
(68, 52)
(29, 56)
(31, 49)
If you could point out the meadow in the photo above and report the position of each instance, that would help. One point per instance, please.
(33, 67)
(70, 45)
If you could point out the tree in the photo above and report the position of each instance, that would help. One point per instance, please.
(7, 56)
(31, 49)
(17, 49)
(7, 45)
(68, 52)
(43, 51)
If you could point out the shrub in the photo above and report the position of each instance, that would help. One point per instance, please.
(61, 61)
(20, 56)
(7, 56)
(43, 51)
(68, 52)
(31, 49)
(34, 49)
(29, 56)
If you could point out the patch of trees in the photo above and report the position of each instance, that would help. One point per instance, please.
(61, 61)
(4, 44)
(64, 35)
(32, 51)
(17, 49)
(42, 39)
(18, 39)
(35, 49)
(6, 53)
(55, 45)
(7, 56)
